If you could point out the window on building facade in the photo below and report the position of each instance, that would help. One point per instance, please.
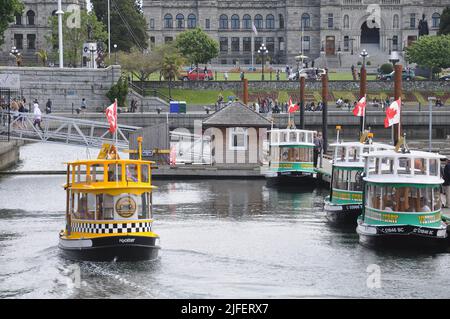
(346, 43)
(168, 21)
(31, 41)
(223, 44)
(395, 43)
(235, 47)
(223, 22)
(306, 43)
(247, 44)
(281, 18)
(18, 41)
(152, 23)
(247, 22)
(436, 20)
(238, 139)
(30, 17)
(412, 20)
(235, 23)
(270, 22)
(258, 42)
(207, 24)
(281, 44)
(18, 19)
(259, 23)
(270, 45)
(180, 21)
(330, 21)
(306, 21)
(346, 22)
(168, 39)
(395, 22)
(192, 21)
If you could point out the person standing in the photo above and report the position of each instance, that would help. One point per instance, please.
(446, 185)
(37, 115)
(83, 105)
(317, 147)
(48, 107)
(225, 76)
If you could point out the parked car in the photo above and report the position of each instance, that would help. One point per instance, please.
(192, 75)
(407, 75)
(445, 77)
(311, 74)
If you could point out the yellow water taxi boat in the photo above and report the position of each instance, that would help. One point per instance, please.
(109, 209)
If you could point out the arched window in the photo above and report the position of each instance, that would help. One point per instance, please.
(436, 20)
(346, 22)
(270, 22)
(247, 21)
(180, 21)
(223, 22)
(235, 24)
(306, 21)
(30, 17)
(259, 21)
(395, 22)
(192, 21)
(168, 21)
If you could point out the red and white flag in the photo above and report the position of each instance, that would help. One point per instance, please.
(111, 115)
(393, 114)
(293, 107)
(360, 108)
(254, 28)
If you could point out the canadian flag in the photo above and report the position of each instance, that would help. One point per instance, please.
(393, 114)
(293, 107)
(111, 115)
(360, 108)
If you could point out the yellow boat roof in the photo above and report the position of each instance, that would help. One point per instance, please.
(108, 161)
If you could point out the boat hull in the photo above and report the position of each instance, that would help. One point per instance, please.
(342, 214)
(401, 236)
(112, 248)
(290, 179)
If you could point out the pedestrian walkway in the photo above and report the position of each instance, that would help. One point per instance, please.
(64, 130)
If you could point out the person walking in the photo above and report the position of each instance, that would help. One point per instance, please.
(446, 185)
(37, 115)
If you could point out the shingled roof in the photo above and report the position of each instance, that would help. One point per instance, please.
(236, 114)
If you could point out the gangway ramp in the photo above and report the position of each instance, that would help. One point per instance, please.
(63, 130)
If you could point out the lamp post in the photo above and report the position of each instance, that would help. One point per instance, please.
(390, 42)
(394, 58)
(430, 134)
(92, 50)
(339, 54)
(115, 53)
(60, 14)
(263, 52)
(15, 53)
(351, 40)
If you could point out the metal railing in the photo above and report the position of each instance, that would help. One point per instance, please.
(63, 130)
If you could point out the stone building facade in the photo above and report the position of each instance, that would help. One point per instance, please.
(29, 30)
(335, 29)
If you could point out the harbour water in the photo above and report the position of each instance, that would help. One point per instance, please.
(220, 239)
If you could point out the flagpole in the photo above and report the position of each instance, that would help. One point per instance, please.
(253, 51)
(364, 117)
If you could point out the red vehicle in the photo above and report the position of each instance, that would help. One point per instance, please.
(192, 75)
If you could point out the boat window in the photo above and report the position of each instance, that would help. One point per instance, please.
(97, 173)
(303, 137)
(80, 173)
(108, 207)
(402, 199)
(292, 137)
(434, 167)
(145, 174)
(387, 165)
(342, 155)
(420, 166)
(404, 166)
(145, 209)
(114, 172)
(132, 173)
(355, 182)
(274, 137)
(353, 154)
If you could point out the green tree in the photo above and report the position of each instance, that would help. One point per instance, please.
(197, 47)
(171, 67)
(8, 11)
(43, 56)
(430, 51)
(74, 38)
(119, 91)
(444, 26)
(128, 24)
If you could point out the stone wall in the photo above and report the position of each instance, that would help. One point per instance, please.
(372, 86)
(66, 86)
(9, 154)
